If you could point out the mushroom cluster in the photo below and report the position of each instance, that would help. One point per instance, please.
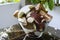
(32, 19)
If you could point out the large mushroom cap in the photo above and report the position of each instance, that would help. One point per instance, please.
(24, 9)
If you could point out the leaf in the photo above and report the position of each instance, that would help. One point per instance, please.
(34, 1)
(50, 4)
(46, 4)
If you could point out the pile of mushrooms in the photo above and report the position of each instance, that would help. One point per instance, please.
(33, 19)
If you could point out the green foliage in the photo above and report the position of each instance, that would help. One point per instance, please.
(34, 1)
(46, 4)
(49, 3)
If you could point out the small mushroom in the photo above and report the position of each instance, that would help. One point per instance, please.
(47, 16)
(23, 20)
(30, 19)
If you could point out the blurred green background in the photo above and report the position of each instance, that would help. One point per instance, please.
(9, 1)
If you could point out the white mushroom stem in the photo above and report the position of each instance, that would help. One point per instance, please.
(25, 30)
(41, 33)
(23, 27)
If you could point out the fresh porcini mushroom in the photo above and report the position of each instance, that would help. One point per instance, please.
(47, 16)
(35, 16)
(30, 20)
(23, 20)
(24, 11)
(40, 16)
